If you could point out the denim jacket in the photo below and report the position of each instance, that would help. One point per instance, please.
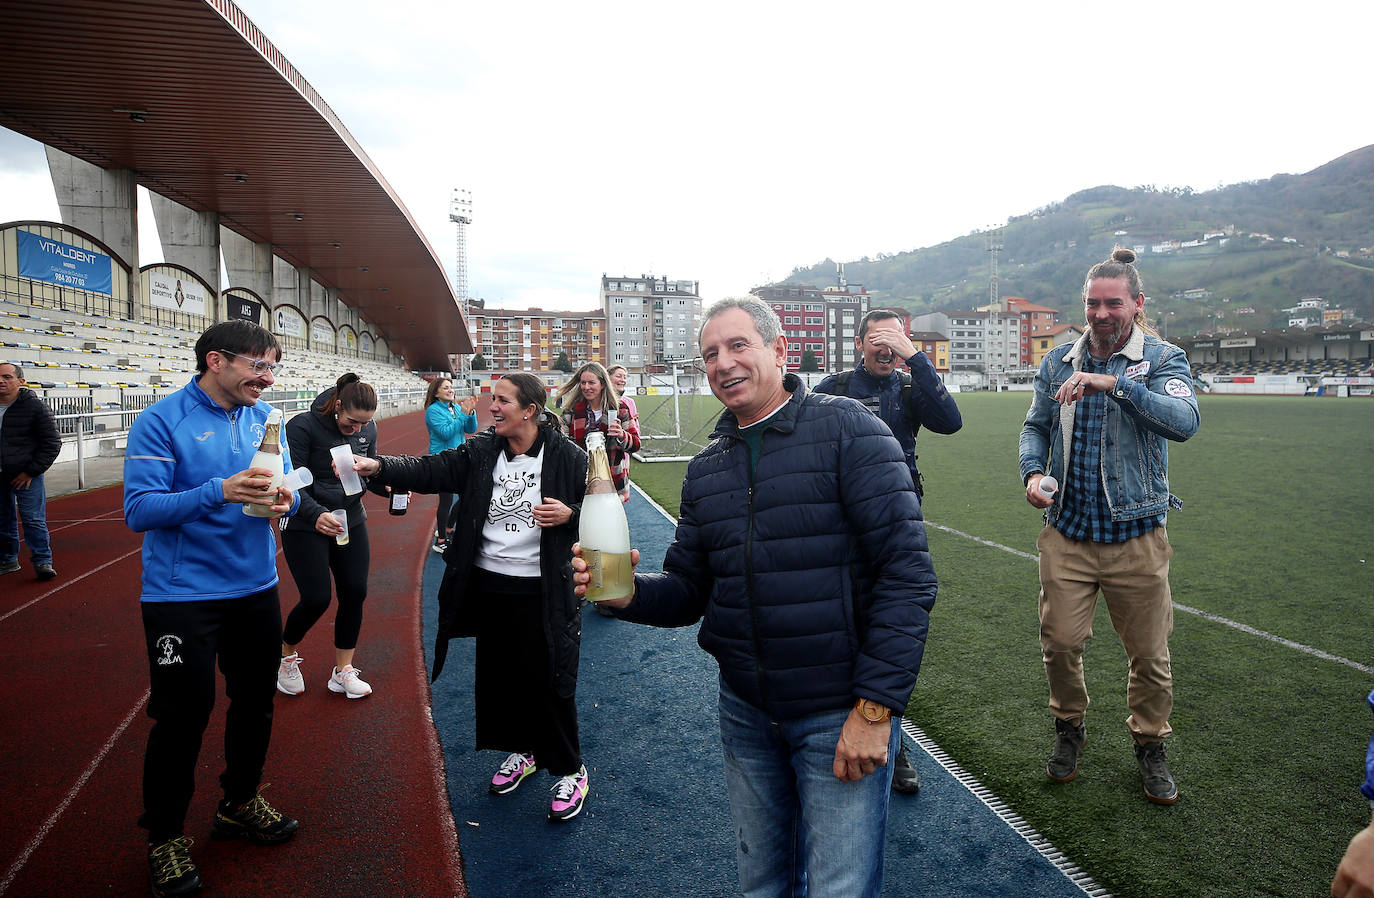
(1153, 402)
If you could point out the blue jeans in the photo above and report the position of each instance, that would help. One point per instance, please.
(799, 831)
(32, 506)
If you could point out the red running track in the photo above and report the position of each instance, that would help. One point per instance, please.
(365, 777)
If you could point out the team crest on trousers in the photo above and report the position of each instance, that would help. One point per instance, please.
(168, 645)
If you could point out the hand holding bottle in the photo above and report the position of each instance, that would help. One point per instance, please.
(581, 578)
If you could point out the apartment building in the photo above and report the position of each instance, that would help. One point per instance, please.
(823, 321)
(531, 339)
(651, 321)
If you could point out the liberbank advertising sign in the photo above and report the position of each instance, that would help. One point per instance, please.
(46, 259)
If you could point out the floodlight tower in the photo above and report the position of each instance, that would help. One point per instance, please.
(460, 213)
(994, 296)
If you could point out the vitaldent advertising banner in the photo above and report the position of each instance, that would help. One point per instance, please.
(180, 294)
(46, 259)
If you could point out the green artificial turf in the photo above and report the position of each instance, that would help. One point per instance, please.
(1276, 533)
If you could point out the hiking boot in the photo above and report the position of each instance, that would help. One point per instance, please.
(171, 871)
(44, 571)
(9, 567)
(289, 679)
(569, 793)
(254, 820)
(1068, 748)
(348, 682)
(904, 778)
(1154, 773)
(512, 773)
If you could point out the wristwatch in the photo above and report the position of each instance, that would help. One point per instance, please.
(872, 711)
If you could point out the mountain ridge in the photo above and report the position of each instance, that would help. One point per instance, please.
(1273, 242)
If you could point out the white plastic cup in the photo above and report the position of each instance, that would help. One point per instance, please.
(343, 463)
(298, 478)
(1048, 486)
(341, 515)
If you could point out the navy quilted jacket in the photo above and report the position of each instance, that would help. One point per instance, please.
(814, 585)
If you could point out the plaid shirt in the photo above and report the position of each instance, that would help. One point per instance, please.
(617, 453)
(1086, 514)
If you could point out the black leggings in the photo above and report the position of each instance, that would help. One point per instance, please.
(312, 556)
(441, 515)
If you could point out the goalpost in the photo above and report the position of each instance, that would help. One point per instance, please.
(676, 413)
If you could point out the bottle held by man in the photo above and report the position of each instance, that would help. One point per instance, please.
(268, 456)
(603, 531)
(400, 502)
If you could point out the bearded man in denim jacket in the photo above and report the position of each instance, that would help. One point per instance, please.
(1104, 410)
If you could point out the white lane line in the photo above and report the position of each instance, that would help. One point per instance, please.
(1206, 615)
(48, 824)
(990, 800)
(72, 582)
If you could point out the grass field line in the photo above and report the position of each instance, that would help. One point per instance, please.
(1042, 845)
(1206, 615)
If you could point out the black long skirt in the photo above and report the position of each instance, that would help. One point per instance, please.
(517, 709)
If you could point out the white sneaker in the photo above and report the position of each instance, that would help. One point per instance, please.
(348, 682)
(289, 679)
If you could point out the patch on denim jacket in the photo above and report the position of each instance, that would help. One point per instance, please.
(1139, 369)
(1178, 387)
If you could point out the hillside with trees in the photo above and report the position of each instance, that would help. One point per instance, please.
(1252, 249)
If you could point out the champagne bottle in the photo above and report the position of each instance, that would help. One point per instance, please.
(399, 502)
(603, 531)
(268, 456)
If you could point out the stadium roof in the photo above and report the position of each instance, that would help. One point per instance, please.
(194, 99)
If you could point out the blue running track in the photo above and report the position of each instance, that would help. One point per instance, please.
(657, 822)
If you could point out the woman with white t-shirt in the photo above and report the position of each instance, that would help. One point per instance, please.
(509, 581)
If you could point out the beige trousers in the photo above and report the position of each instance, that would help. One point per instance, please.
(1133, 578)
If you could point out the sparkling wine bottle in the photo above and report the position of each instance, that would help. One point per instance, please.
(603, 531)
(268, 456)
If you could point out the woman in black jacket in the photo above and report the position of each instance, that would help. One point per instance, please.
(508, 581)
(342, 414)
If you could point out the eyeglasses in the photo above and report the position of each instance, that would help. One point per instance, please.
(260, 366)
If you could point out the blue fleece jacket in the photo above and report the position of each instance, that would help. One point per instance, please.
(196, 546)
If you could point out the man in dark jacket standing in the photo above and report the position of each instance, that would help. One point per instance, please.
(800, 547)
(905, 403)
(29, 444)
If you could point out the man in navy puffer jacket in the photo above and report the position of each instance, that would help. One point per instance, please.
(800, 547)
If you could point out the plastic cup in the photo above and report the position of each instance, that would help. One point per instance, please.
(341, 515)
(1048, 486)
(343, 463)
(298, 478)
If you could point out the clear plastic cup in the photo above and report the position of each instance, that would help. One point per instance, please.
(298, 478)
(343, 463)
(1048, 486)
(341, 515)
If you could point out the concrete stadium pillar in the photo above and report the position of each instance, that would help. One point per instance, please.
(189, 238)
(103, 202)
(248, 264)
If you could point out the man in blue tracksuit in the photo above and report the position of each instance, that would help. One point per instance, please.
(209, 593)
(1355, 875)
(905, 403)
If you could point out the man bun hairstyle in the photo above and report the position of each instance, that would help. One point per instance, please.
(1121, 265)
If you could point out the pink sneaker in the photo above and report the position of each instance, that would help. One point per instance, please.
(568, 795)
(512, 772)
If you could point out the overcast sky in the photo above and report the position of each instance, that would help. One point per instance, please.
(728, 142)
